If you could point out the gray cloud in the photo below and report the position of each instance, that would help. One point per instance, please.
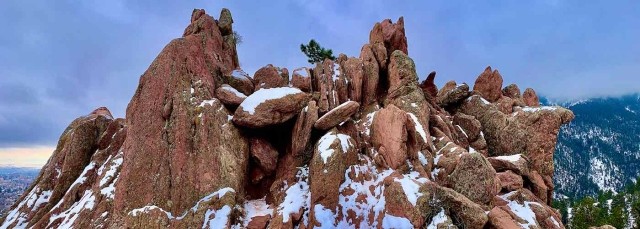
(62, 59)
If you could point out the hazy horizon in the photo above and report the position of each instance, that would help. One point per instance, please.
(62, 60)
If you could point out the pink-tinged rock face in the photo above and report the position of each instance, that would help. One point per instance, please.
(489, 84)
(337, 115)
(264, 155)
(428, 86)
(301, 79)
(270, 106)
(229, 95)
(269, 77)
(389, 135)
(530, 98)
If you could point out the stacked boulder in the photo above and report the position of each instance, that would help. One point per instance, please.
(352, 143)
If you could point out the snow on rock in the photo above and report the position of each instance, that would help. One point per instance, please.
(297, 195)
(258, 97)
(523, 210)
(110, 190)
(410, 184)
(220, 193)
(34, 199)
(324, 216)
(418, 126)
(70, 215)
(438, 219)
(535, 109)
(390, 221)
(255, 208)
(210, 102)
(324, 145)
(220, 220)
(511, 158)
(234, 91)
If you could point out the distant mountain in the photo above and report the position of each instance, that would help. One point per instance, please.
(600, 149)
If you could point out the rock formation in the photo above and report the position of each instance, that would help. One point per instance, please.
(356, 143)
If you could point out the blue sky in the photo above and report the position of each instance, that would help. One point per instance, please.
(62, 59)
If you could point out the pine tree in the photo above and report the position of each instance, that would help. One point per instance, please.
(316, 53)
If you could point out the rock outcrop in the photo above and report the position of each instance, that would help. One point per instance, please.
(355, 143)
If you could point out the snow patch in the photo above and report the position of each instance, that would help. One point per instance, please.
(390, 221)
(254, 100)
(220, 220)
(418, 126)
(255, 208)
(438, 219)
(70, 215)
(511, 158)
(535, 109)
(297, 195)
(328, 139)
(234, 91)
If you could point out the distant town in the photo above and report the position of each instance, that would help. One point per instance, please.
(13, 182)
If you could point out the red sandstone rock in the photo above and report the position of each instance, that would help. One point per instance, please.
(489, 84)
(269, 77)
(302, 79)
(428, 86)
(530, 98)
(337, 115)
(509, 180)
(230, 96)
(270, 106)
(265, 156)
(389, 135)
(500, 219)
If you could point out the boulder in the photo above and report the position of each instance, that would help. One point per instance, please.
(530, 98)
(428, 85)
(511, 91)
(489, 84)
(333, 153)
(402, 75)
(389, 135)
(509, 180)
(264, 155)
(225, 22)
(371, 76)
(454, 96)
(469, 125)
(302, 79)
(516, 163)
(229, 95)
(391, 35)
(499, 219)
(270, 106)
(241, 81)
(475, 178)
(447, 87)
(196, 150)
(302, 129)
(259, 222)
(337, 115)
(269, 77)
(468, 213)
(354, 74)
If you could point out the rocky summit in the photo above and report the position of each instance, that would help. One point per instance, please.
(352, 143)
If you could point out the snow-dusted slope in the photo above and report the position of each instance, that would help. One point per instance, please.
(600, 149)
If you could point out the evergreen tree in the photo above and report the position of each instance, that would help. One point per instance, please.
(316, 53)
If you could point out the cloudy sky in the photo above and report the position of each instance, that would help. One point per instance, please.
(61, 59)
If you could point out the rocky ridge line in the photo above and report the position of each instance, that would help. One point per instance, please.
(355, 143)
